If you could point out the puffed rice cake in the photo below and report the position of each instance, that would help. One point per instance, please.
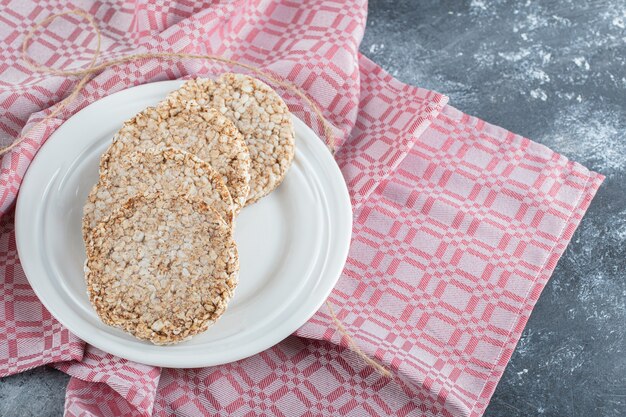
(262, 117)
(166, 170)
(201, 131)
(162, 268)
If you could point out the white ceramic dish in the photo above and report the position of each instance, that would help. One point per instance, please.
(292, 244)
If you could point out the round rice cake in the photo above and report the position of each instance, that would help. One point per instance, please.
(201, 131)
(162, 268)
(167, 170)
(261, 116)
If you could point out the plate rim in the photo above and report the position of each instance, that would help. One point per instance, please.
(334, 270)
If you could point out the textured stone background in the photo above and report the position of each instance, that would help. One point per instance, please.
(553, 71)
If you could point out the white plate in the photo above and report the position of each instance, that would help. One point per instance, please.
(292, 244)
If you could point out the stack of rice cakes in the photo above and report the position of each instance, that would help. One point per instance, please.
(158, 227)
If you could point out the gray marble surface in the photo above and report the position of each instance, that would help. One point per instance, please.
(553, 71)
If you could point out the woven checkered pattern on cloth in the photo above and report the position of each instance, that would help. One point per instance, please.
(458, 224)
